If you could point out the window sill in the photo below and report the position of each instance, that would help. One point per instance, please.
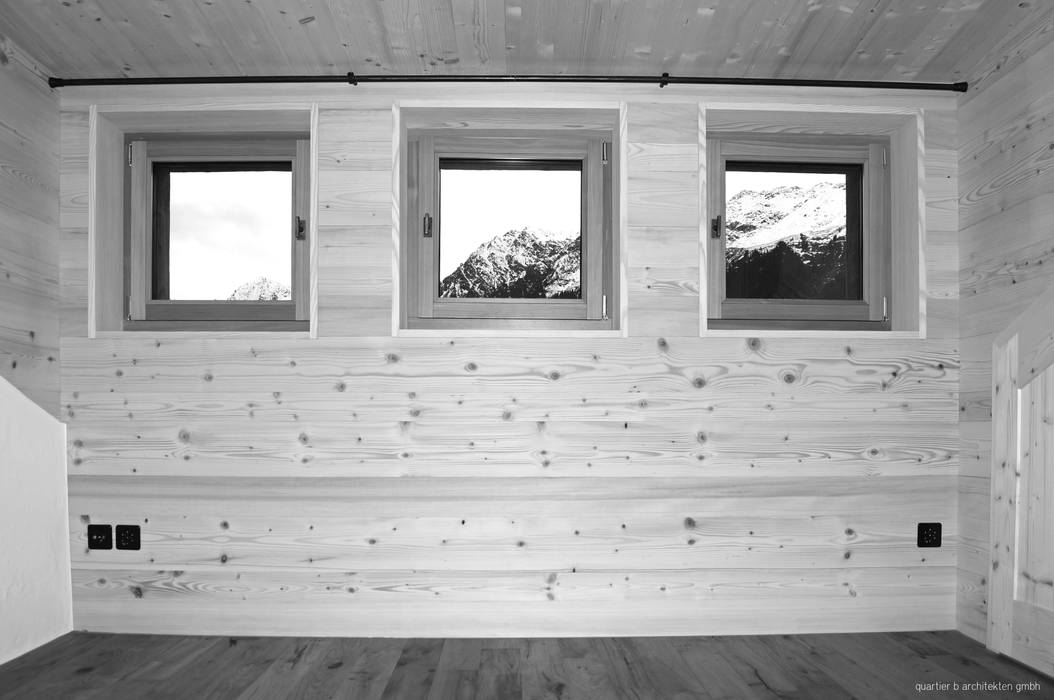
(506, 333)
(215, 327)
(802, 333)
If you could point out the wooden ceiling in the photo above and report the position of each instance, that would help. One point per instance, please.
(925, 40)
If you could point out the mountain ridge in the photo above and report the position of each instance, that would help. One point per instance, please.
(787, 242)
(519, 264)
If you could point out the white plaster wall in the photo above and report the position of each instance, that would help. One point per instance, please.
(35, 597)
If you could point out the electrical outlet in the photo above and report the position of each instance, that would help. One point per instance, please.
(929, 535)
(127, 537)
(100, 537)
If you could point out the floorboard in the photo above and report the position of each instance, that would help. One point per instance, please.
(91, 666)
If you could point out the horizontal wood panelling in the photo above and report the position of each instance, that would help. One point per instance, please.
(492, 117)
(1006, 213)
(29, 242)
(652, 374)
(190, 122)
(73, 221)
(942, 227)
(355, 280)
(660, 483)
(355, 222)
(719, 475)
(663, 198)
(499, 524)
(667, 199)
(533, 603)
(555, 448)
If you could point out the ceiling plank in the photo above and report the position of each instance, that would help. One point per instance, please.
(938, 41)
(989, 25)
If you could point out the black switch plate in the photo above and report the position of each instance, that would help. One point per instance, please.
(929, 535)
(127, 537)
(100, 537)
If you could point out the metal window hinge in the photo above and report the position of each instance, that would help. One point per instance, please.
(300, 229)
(715, 227)
(604, 307)
(128, 317)
(427, 226)
(885, 311)
(885, 158)
(605, 152)
(129, 155)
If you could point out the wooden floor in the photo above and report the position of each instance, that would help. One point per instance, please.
(84, 665)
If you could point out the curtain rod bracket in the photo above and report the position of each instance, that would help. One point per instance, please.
(352, 80)
(664, 80)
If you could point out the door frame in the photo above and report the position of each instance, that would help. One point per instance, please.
(1021, 353)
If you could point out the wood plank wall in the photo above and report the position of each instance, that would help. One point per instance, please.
(364, 484)
(29, 238)
(1006, 213)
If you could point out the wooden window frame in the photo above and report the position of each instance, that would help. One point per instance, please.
(428, 149)
(805, 153)
(149, 157)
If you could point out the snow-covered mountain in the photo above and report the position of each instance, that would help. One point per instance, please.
(261, 289)
(520, 264)
(787, 242)
(761, 219)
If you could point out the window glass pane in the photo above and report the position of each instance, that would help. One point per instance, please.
(510, 231)
(230, 235)
(792, 232)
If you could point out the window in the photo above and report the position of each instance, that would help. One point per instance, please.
(218, 232)
(509, 229)
(799, 234)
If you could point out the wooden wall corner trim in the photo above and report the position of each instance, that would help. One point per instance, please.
(1003, 514)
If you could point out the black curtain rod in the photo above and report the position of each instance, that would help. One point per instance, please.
(353, 79)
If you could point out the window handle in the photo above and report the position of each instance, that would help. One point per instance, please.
(716, 229)
(300, 229)
(427, 226)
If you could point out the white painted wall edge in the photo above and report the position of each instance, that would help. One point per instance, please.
(35, 591)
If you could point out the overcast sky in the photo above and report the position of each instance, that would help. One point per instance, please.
(228, 229)
(477, 205)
